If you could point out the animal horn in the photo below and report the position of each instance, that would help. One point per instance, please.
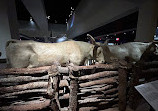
(92, 40)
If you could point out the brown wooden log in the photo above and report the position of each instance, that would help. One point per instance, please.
(38, 70)
(122, 89)
(23, 79)
(27, 86)
(55, 105)
(65, 96)
(94, 86)
(101, 81)
(63, 83)
(98, 75)
(101, 96)
(96, 89)
(88, 109)
(110, 91)
(133, 93)
(92, 100)
(24, 92)
(73, 95)
(106, 92)
(31, 105)
(113, 101)
(64, 70)
(25, 70)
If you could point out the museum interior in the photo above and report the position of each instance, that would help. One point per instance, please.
(78, 55)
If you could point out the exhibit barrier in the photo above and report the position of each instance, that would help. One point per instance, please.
(143, 72)
(72, 88)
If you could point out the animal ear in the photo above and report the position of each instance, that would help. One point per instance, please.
(92, 40)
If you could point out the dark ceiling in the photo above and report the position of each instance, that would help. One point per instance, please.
(58, 10)
(126, 24)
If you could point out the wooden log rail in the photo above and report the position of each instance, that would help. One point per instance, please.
(27, 106)
(22, 71)
(98, 75)
(49, 84)
(23, 79)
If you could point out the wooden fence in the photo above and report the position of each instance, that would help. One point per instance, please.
(143, 72)
(72, 88)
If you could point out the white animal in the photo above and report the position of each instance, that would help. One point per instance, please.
(28, 54)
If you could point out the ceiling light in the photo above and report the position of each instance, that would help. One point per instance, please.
(31, 19)
(48, 17)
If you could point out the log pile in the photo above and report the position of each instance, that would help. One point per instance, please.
(94, 87)
(97, 89)
(23, 91)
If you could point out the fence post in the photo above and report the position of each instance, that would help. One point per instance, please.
(122, 87)
(73, 100)
(53, 88)
(134, 96)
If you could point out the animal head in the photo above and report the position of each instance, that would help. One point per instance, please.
(103, 47)
(100, 55)
(97, 51)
